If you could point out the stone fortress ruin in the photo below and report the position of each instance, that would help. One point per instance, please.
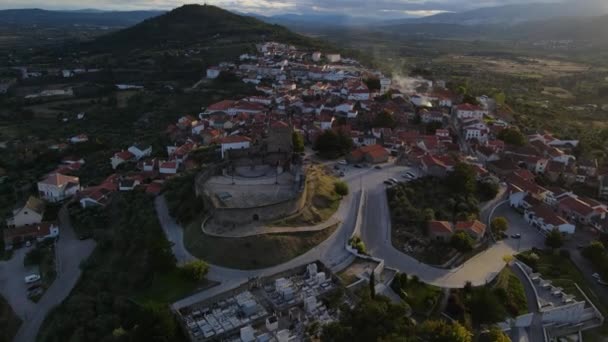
(258, 184)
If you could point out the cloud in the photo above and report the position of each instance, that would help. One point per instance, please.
(377, 8)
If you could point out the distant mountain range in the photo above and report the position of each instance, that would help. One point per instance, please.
(88, 17)
(513, 14)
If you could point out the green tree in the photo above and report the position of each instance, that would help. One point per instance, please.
(512, 136)
(371, 320)
(298, 142)
(486, 308)
(195, 270)
(463, 179)
(341, 188)
(331, 145)
(494, 335)
(500, 98)
(441, 331)
(487, 189)
(499, 225)
(594, 251)
(554, 239)
(462, 242)
(384, 119)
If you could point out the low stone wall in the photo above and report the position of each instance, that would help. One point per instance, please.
(270, 212)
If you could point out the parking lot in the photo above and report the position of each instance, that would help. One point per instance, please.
(529, 236)
(12, 284)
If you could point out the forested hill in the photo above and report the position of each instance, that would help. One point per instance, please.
(196, 25)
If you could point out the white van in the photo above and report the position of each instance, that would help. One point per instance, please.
(32, 278)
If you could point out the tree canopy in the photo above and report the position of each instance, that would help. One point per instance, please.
(499, 225)
(331, 144)
(512, 136)
(462, 242)
(441, 331)
(554, 239)
(463, 179)
(298, 142)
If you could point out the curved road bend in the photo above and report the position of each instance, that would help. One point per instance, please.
(331, 252)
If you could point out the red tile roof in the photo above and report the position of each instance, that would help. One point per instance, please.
(475, 227)
(575, 205)
(439, 227)
(231, 139)
(124, 155)
(35, 230)
(221, 106)
(58, 179)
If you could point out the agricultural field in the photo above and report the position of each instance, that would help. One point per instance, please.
(518, 66)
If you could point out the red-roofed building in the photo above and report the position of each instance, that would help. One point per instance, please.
(469, 111)
(56, 187)
(372, 154)
(543, 217)
(222, 106)
(168, 167)
(576, 210)
(475, 228)
(234, 142)
(121, 157)
(39, 232)
(441, 230)
(437, 166)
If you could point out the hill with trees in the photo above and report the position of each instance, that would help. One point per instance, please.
(195, 25)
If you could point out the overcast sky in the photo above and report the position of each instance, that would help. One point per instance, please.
(372, 8)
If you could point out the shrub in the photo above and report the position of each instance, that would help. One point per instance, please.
(564, 253)
(341, 188)
(195, 270)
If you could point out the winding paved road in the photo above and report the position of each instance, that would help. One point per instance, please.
(70, 252)
(375, 232)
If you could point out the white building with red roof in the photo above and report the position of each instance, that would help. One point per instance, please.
(234, 142)
(469, 111)
(57, 187)
(121, 158)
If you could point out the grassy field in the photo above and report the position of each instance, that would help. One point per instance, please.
(170, 287)
(321, 202)
(251, 252)
(9, 322)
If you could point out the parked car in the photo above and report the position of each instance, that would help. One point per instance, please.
(388, 182)
(516, 236)
(341, 173)
(336, 167)
(596, 276)
(378, 167)
(32, 278)
(357, 166)
(342, 162)
(411, 175)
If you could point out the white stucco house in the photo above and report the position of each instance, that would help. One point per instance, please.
(234, 142)
(57, 187)
(30, 213)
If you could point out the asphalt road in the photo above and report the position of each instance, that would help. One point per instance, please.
(478, 270)
(70, 252)
(331, 252)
